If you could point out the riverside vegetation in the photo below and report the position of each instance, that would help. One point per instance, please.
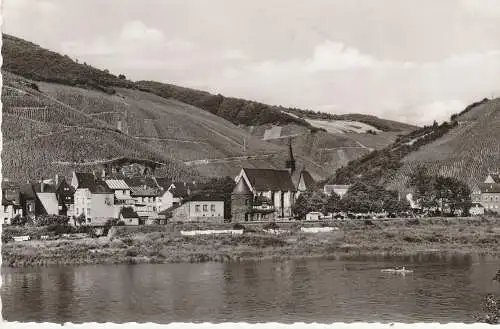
(165, 244)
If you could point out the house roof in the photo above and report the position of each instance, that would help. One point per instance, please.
(495, 177)
(62, 185)
(27, 191)
(489, 188)
(270, 179)
(117, 184)
(9, 184)
(206, 196)
(128, 212)
(47, 188)
(100, 187)
(141, 181)
(85, 180)
(242, 188)
(180, 189)
(164, 182)
(48, 200)
(141, 191)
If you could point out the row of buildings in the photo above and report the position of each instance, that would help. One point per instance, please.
(94, 198)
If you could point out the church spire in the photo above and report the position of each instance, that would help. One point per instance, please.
(290, 164)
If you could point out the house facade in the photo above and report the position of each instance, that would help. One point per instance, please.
(488, 193)
(11, 201)
(172, 193)
(129, 216)
(93, 198)
(203, 207)
(65, 195)
(122, 194)
(340, 190)
(146, 202)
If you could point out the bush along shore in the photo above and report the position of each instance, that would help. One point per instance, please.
(165, 244)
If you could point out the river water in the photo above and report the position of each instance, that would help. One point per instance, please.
(441, 289)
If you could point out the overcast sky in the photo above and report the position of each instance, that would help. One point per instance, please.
(413, 61)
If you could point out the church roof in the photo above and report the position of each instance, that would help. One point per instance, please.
(308, 179)
(270, 179)
(242, 188)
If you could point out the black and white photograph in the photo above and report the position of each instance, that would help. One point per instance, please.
(250, 161)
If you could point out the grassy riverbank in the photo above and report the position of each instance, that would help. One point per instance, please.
(164, 244)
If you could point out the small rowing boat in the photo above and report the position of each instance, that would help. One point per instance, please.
(397, 270)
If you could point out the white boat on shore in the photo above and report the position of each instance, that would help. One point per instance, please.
(402, 270)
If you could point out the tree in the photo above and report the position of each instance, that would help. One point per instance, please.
(445, 193)
(310, 201)
(81, 219)
(333, 204)
(19, 220)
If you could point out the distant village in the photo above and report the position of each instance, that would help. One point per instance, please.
(134, 196)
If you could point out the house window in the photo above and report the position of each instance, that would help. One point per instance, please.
(197, 208)
(212, 208)
(89, 220)
(205, 208)
(5, 220)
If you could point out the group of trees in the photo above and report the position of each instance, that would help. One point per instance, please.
(361, 198)
(446, 194)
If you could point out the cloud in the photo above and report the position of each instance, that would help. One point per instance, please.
(483, 7)
(136, 42)
(233, 54)
(137, 31)
(437, 110)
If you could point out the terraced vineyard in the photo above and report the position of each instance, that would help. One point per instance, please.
(467, 152)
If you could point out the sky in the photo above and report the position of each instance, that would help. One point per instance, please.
(413, 61)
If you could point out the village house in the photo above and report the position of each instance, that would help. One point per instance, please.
(93, 198)
(200, 207)
(122, 192)
(46, 193)
(488, 193)
(65, 194)
(39, 199)
(128, 216)
(340, 190)
(11, 201)
(172, 193)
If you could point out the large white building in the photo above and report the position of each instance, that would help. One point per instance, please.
(93, 198)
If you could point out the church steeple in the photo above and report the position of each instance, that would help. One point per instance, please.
(290, 164)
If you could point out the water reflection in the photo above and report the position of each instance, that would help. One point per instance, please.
(442, 288)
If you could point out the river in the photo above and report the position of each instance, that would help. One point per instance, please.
(442, 289)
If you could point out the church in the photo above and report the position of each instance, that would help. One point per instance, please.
(264, 194)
